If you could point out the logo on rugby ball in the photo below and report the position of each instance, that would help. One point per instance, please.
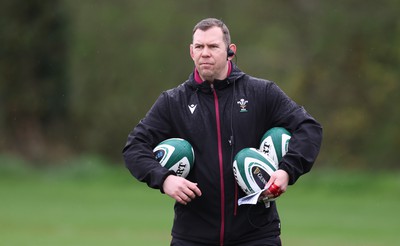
(252, 169)
(175, 154)
(275, 143)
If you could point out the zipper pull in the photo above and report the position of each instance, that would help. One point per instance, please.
(231, 141)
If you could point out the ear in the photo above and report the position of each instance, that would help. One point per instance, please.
(233, 48)
(191, 51)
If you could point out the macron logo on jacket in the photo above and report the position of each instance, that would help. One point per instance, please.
(192, 108)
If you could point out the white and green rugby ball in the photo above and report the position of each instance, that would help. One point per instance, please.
(275, 143)
(252, 169)
(175, 154)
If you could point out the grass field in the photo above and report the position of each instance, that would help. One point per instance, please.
(92, 204)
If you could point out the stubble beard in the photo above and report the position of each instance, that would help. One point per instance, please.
(207, 75)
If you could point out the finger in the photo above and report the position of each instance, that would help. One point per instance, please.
(185, 198)
(271, 180)
(189, 193)
(279, 186)
(194, 188)
(182, 198)
(274, 190)
(181, 201)
(267, 195)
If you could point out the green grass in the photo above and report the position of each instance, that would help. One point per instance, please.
(91, 204)
(86, 205)
(342, 208)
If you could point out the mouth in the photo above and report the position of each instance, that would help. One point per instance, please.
(205, 64)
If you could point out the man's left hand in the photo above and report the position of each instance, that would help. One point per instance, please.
(277, 184)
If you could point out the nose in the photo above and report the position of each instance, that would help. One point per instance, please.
(205, 52)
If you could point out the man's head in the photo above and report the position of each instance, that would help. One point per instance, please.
(209, 48)
(206, 24)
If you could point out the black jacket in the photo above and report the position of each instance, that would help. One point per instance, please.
(230, 115)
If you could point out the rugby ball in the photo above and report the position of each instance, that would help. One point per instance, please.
(175, 154)
(275, 143)
(252, 169)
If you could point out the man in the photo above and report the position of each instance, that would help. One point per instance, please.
(204, 110)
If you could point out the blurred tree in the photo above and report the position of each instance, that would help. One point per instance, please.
(351, 61)
(33, 83)
(339, 59)
(326, 55)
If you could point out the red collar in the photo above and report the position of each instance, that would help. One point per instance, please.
(198, 79)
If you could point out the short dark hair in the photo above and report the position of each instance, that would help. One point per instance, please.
(206, 24)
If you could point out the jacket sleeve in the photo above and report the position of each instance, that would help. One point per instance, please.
(138, 151)
(306, 139)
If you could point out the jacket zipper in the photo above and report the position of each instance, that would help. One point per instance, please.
(221, 169)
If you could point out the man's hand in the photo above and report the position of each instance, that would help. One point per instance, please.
(277, 184)
(180, 189)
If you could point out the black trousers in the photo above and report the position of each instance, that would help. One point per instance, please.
(272, 241)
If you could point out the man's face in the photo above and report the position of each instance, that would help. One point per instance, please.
(209, 53)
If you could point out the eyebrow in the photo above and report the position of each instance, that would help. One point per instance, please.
(206, 44)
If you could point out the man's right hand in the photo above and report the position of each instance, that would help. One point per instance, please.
(180, 189)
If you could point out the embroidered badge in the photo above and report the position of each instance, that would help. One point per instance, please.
(243, 104)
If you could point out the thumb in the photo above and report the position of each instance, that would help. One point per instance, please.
(270, 181)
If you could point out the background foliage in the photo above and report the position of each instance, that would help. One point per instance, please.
(76, 76)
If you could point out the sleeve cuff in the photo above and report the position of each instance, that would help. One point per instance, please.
(170, 172)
